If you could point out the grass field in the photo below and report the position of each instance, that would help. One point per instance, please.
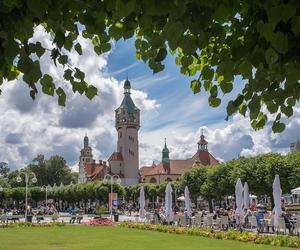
(88, 237)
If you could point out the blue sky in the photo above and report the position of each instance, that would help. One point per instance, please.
(170, 88)
(168, 109)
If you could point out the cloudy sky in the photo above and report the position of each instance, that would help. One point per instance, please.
(168, 109)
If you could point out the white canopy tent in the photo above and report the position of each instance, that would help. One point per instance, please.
(296, 191)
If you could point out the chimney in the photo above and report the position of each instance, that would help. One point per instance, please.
(104, 163)
(100, 162)
(94, 161)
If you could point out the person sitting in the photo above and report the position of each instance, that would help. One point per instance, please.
(73, 217)
(79, 216)
(156, 217)
(39, 216)
(287, 221)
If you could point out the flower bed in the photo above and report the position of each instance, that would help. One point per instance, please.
(276, 240)
(30, 224)
(99, 222)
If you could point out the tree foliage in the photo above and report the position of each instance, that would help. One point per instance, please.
(4, 169)
(52, 170)
(212, 41)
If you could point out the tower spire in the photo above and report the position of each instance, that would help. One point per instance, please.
(86, 141)
(202, 143)
(127, 86)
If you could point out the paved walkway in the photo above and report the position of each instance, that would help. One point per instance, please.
(65, 217)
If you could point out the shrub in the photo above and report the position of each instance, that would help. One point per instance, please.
(276, 240)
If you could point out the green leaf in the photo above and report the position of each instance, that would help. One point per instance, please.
(272, 107)
(79, 74)
(54, 54)
(69, 42)
(91, 92)
(207, 73)
(231, 109)
(245, 68)
(287, 110)
(59, 38)
(161, 55)
(39, 50)
(262, 119)
(207, 85)
(296, 25)
(196, 86)
(124, 8)
(37, 7)
(186, 61)
(243, 109)
(271, 56)
(221, 13)
(78, 48)
(61, 96)
(280, 42)
(63, 59)
(226, 87)
(278, 127)
(47, 85)
(214, 101)
(214, 91)
(68, 74)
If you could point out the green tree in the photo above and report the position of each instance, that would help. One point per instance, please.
(4, 169)
(212, 41)
(52, 170)
(194, 179)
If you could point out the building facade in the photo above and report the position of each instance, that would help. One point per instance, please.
(125, 161)
(295, 146)
(170, 170)
(86, 156)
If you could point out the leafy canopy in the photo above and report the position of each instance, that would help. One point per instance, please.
(212, 41)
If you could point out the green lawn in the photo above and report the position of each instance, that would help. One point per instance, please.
(88, 237)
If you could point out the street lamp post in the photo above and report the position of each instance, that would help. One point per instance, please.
(46, 188)
(111, 179)
(34, 180)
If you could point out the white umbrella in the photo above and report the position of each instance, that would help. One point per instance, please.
(277, 192)
(246, 196)
(168, 203)
(187, 201)
(239, 200)
(142, 211)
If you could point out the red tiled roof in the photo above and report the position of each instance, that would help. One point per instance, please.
(93, 169)
(116, 156)
(204, 158)
(177, 167)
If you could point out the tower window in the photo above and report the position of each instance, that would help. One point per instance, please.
(120, 134)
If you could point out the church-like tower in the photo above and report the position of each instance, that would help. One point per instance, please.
(127, 124)
(86, 156)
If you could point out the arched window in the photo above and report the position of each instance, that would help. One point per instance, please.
(168, 179)
(152, 180)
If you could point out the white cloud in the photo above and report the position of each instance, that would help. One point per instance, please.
(36, 127)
